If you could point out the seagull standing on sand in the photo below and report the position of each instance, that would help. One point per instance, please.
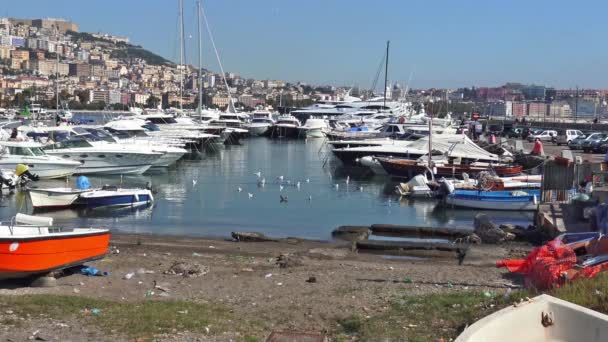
(250, 195)
(280, 178)
(298, 185)
(239, 189)
(310, 198)
(280, 188)
(307, 180)
(259, 174)
(194, 183)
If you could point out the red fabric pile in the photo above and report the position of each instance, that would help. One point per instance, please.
(544, 266)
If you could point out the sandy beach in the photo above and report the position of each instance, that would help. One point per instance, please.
(314, 285)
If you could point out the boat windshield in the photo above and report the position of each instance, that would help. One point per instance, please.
(167, 120)
(265, 120)
(151, 127)
(25, 151)
(70, 143)
(100, 135)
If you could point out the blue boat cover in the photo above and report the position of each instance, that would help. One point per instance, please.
(82, 182)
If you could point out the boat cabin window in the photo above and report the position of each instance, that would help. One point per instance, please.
(25, 151)
(151, 127)
(261, 120)
(70, 143)
(120, 134)
(160, 121)
(100, 135)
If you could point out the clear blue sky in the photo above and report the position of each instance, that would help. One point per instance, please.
(444, 43)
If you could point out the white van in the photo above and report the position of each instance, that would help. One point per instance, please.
(546, 135)
(566, 136)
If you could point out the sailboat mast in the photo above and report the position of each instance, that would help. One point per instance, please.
(57, 74)
(181, 55)
(386, 71)
(200, 60)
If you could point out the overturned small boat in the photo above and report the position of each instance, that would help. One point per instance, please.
(29, 245)
(543, 318)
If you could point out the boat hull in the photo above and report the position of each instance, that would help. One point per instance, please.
(116, 199)
(113, 170)
(53, 198)
(490, 201)
(45, 171)
(284, 132)
(410, 168)
(311, 133)
(258, 130)
(21, 257)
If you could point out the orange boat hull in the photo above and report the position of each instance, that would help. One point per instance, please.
(20, 257)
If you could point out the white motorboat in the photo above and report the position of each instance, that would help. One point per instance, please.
(261, 123)
(313, 128)
(54, 198)
(170, 153)
(543, 318)
(103, 159)
(40, 163)
(285, 127)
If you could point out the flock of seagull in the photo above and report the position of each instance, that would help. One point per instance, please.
(280, 180)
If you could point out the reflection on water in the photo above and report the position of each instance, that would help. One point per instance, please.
(199, 196)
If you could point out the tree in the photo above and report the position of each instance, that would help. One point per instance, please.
(152, 101)
(82, 95)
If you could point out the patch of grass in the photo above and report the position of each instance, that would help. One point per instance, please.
(250, 339)
(139, 319)
(427, 317)
(590, 293)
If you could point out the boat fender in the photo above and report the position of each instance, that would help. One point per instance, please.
(534, 200)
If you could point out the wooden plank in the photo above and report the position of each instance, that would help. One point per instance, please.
(408, 245)
(399, 230)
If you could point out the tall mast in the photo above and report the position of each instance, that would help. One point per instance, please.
(386, 71)
(57, 74)
(182, 52)
(200, 60)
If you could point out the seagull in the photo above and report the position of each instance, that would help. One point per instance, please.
(280, 188)
(337, 186)
(310, 198)
(347, 180)
(307, 180)
(194, 182)
(283, 199)
(259, 174)
(262, 182)
(361, 188)
(288, 182)
(239, 189)
(280, 178)
(250, 195)
(298, 185)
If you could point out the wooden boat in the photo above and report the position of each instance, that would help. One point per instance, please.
(407, 168)
(543, 318)
(35, 247)
(54, 198)
(494, 200)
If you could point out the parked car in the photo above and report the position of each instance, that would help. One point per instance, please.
(600, 146)
(577, 143)
(495, 129)
(514, 132)
(528, 131)
(592, 140)
(546, 135)
(564, 136)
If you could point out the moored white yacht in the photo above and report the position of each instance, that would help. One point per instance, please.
(285, 127)
(261, 122)
(313, 128)
(13, 153)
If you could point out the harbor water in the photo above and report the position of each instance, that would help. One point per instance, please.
(200, 196)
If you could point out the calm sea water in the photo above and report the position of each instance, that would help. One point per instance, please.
(199, 196)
